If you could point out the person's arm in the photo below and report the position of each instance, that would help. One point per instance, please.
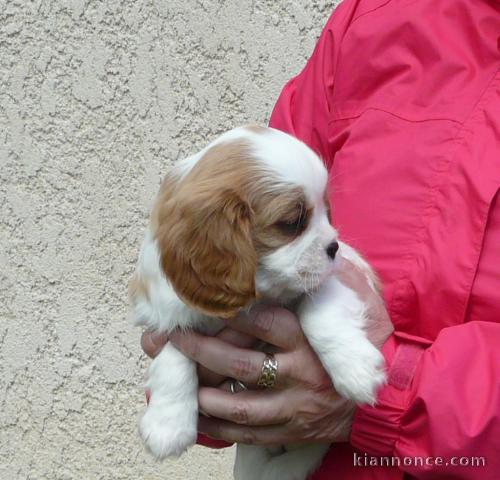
(304, 105)
(441, 405)
(303, 406)
(443, 399)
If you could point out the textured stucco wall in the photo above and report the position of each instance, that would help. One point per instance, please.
(97, 98)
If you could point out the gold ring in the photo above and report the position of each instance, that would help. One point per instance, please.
(269, 372)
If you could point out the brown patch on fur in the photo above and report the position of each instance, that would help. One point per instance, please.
(256, 129)
(137, 287)
(166, 191)
(204, 232)
(214, 223)
(274, 208)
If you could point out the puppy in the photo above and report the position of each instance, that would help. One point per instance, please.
(247, 219)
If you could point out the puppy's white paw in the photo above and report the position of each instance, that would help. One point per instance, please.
(168, 431)
(361, 375)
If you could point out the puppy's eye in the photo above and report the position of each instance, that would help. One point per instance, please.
(294, 226)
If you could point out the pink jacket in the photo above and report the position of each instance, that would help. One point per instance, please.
(401, 99)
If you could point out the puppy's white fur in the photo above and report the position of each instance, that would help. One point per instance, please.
(332, 316)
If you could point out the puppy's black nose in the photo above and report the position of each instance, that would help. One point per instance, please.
(331, 250)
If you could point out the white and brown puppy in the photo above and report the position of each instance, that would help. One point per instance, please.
(246, 220)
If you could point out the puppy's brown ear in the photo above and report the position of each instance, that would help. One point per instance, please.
(207, 253)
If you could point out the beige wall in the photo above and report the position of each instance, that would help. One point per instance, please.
(97, 99)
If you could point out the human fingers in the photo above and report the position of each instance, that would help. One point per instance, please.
(229, 361)
(238, 339)
(274, 325)
(249, 407)
(233, 432)
(152, 342)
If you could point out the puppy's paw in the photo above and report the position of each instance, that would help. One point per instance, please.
(168, 431)
(361, 375)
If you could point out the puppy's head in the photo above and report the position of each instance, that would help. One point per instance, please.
(248, 214)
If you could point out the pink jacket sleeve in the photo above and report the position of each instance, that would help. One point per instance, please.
(441, 406)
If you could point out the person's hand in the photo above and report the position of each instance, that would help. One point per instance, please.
(303, 407)
(152, 342)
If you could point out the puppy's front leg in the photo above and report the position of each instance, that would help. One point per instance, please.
(169, 425)
(333, 321)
